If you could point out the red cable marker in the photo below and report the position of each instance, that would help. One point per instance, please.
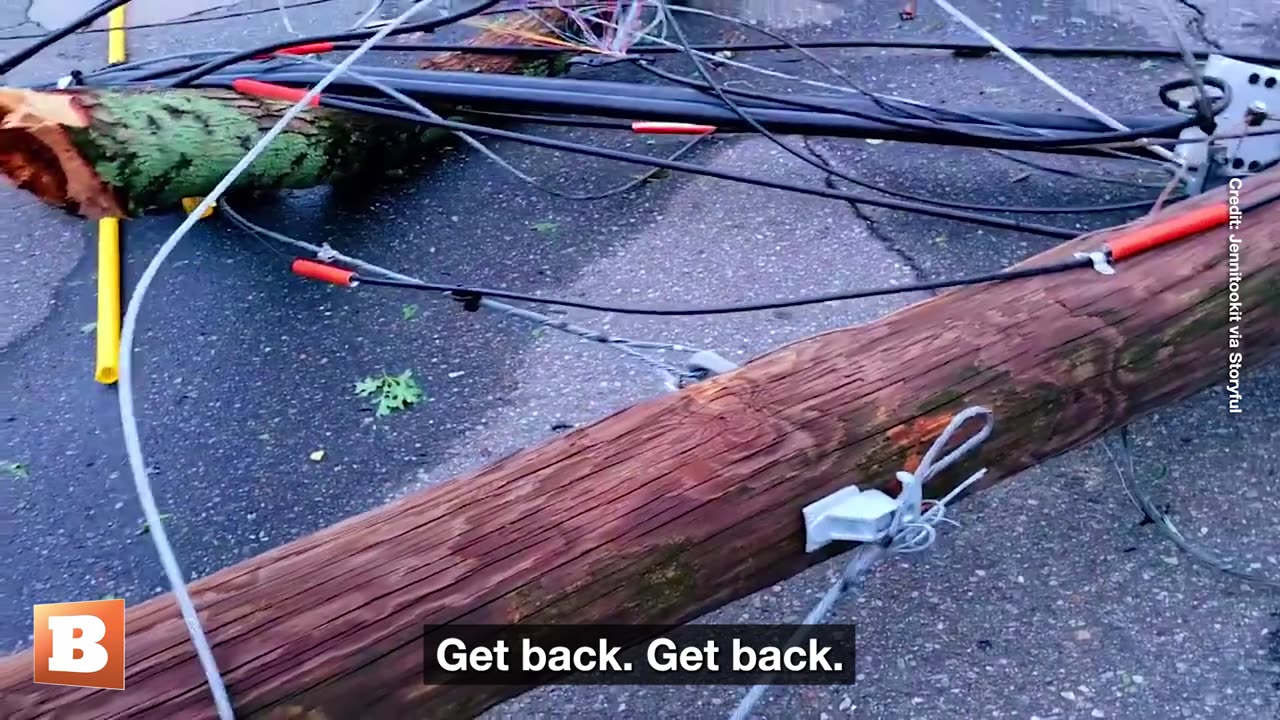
(268, 91)
(316, 48)
(324, 273)
(1156, 234)
(671, 128)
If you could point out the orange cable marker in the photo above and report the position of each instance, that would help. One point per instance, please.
(269, 91)
(324, 273)
(1159, 233)
(671, 128)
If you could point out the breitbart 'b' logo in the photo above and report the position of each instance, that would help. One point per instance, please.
(80, 644)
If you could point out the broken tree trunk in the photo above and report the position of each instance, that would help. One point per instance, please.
(669, 509)
(115, 153)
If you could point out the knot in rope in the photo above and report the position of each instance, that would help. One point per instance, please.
(913, 524)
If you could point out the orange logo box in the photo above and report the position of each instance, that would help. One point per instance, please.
(80, 644)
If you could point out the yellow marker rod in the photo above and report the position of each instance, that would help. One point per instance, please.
(115, 36)
(107, 369)
(108, 329)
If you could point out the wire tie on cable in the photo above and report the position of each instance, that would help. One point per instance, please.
(599, 61)
(1204, 118)
(326, 253)
(1099, 260)
(75, 78)
(470, 299)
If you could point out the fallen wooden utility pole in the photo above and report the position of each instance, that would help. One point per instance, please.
(669, 509)
(116, 153)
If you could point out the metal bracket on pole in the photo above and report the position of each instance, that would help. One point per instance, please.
(707, 363)
(1254, 88)
(853, 515)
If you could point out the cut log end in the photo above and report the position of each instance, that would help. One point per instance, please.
(38, 155)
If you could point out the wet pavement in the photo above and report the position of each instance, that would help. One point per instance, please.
(1051, 600)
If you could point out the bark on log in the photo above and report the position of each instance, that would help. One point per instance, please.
(674, 507)
(104, 153)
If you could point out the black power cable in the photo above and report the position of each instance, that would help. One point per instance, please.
(962, 49)
(617, 99)
(419, 27)
(421, 110)
(1142, 131)
(826, 167)
(715, 87)
(516, 93)
(359, 106)
(89, 17)
(426, 112)
(892, 105)
(471, 296)
(470, 89)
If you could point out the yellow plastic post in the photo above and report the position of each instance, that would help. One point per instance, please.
(108, 329)
(107, 365)
(115, 36)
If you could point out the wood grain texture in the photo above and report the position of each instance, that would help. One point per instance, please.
(674, 507)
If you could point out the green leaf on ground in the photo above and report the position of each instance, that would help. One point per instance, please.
(545, 227)
(368, 386)
(14, 469)
(392, 392)
(409, 311)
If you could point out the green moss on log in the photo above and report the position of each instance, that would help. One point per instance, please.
(667, 586)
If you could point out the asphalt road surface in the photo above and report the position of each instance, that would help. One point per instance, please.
(1051, 600)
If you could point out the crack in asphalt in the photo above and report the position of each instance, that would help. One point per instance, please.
(1197, 24)
(873, 225)
(26, 19)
